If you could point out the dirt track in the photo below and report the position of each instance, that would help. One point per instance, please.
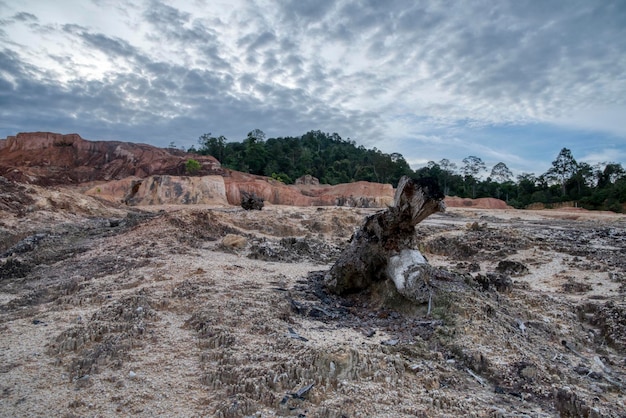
(109, 312)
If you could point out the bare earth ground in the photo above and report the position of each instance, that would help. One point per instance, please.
(118, 312)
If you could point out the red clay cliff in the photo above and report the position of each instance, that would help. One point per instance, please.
(47, 158)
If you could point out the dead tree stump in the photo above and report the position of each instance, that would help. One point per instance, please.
(250, 201)
(384, 246)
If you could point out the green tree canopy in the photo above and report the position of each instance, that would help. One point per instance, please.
(563, 167)
(333, 160)
(472, 167)
(500, 173)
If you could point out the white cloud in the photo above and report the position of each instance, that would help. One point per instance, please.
(427, 76)
(608, 155)
(601, 118)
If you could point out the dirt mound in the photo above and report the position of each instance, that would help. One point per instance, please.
(481, 203)
(26, 210)
(15, 197)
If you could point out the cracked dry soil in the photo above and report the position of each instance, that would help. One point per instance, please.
(118, 312)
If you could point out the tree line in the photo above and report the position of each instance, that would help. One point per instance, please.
(335, 160)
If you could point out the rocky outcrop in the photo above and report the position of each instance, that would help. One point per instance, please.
(160, 190)
(270, 190)
(47, 158)
(229, 189)
(358, 194)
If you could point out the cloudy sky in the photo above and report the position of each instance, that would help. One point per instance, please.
(512, 81)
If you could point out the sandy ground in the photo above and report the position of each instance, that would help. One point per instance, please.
(118, 312)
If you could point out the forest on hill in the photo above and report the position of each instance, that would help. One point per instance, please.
(335, 160)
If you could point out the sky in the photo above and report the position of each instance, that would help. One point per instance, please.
(511, 81)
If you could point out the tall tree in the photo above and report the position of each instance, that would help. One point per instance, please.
(582, 178)
(256, 135)
(473, 166)
(448, 166)
(471, 169)
(563, 168)
(255, 152)
(526, 186)
(400, 167)
(448, 170)
(501, 173)
(608, 173)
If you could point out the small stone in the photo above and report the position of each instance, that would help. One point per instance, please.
(132, 374)
(512, 268)
(83, 381)
(234, 241)
(369, 332)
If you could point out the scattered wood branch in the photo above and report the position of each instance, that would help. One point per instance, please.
(293, 334)
(299, 394)
(475, 376)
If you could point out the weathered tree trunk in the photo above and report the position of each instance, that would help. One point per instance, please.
(383, 248)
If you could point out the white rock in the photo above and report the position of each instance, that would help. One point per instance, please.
(399, 267)
(410, 272)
